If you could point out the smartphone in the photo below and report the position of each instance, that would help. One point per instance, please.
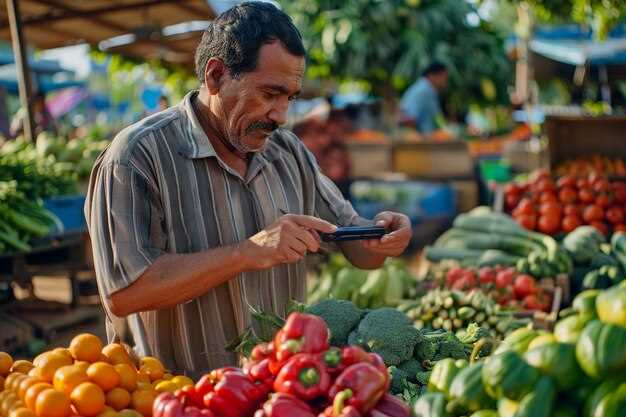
(354, 233)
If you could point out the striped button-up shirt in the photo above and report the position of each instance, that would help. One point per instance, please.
(161, 188)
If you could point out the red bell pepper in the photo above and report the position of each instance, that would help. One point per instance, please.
(189, 396)
(260, 372)
(337, 360)
(302, 333)
(361, 385)
(379, 363)
(197, 412)
(262, 351)
(204, 385)
(285, 405)
(304, 376)
(233, 394)
(167, 405)
(348, 411)
(390, 406)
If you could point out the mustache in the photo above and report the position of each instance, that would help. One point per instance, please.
(271, 126)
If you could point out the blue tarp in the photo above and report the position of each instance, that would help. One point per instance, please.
(572, 44)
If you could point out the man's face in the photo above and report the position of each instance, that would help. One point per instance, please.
(256, 103)
(440, 80)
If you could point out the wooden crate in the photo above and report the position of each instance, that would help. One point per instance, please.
(433, 160)
(466, 194)
(571, 137)
(369, 160)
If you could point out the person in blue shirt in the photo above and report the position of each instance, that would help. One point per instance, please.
(420, 106)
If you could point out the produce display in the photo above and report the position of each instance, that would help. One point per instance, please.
(456, 311)
(386, 286)
(507, 286)
(577, 370)
(86, 379)
(603, 165)
(554, 207)
(485, 238)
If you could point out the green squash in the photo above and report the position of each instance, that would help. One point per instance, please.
(568, 330)
(593, 401)
(585, 304)
(508, 375)
(485, 413)
(467, 390)
(518, 340)
(431, 404)
(557, 360)
(507, 408)
(611, 306)
(601, 349)
(612, 404)
(540, 401)
(443, 373)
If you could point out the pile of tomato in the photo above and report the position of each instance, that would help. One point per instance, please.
(553, 207)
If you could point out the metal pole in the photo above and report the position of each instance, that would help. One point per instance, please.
(21, 63)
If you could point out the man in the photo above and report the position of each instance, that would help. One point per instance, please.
(206, 208)
(420, 104)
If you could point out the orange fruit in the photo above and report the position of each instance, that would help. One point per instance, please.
(108, 413)
(182, 381)
(1, 383)
(86, 347)
(52, 403)
(143, 377)
(103, 374)
(22, 412)
(49, 364)
(153, 367)
(8, 381)
(128, 376)
(82, 365)
(8, 400)
(63, 351)
(26, 383)
(118, 398)
(167, 376)
(116, 354)
(69, 377)
(88, 399)
(6, 362)
(142, 401)
(22, 366)
(30, 397)
(14, 384)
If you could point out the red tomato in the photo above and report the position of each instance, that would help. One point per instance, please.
(526, 206)
(527, 221)
(571, 210)
(512, 188)
(512, 201)
(531, 302)
(619, 228)
(592, 213)
(550, 209)
(504, 279)
(524, 285)
(462, 284)
(547, 197)
(549, 224)
(453, 275)
(582, 183)
(542, 174)
(566, 181)
(603, 200)
(585, 195)
(615, 215)
(600, 226)
(620, 195)
(601, 185)
(570, 222)
(486, 275)
(470, 277)
(546, 185)
(568, 195)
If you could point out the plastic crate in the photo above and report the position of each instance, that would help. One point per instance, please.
(69, 209)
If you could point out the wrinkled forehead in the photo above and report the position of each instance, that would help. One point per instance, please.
(277, 66)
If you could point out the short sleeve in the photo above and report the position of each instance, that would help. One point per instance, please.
(126, 225)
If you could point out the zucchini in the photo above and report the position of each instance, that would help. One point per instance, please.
(436, 254)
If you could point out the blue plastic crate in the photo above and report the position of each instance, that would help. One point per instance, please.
(69, 209)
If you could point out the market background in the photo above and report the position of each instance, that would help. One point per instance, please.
(536, 107)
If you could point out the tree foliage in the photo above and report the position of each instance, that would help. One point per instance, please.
(385, 44)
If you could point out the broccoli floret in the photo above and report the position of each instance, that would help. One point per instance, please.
(411, 367)
(428, 347)
(398, 379)
(341, 316)
(472, 334)
(451, 347)
(387, 332)
(423, 377)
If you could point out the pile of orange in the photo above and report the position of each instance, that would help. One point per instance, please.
(86, 379)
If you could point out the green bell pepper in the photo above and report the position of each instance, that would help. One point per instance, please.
(601, 349)
(507, 375)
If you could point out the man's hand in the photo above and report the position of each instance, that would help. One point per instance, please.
(395, 242)
(285, 241)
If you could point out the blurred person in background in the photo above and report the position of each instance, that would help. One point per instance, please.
(420, 107)
(41, 116)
